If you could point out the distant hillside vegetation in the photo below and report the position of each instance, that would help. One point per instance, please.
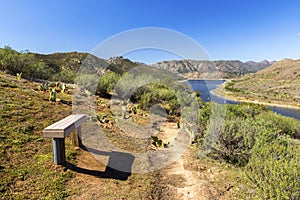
(58, 66)
(279, 84)
(286, 69)
(202, 69)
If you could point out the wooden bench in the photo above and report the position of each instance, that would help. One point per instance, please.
(60, 130)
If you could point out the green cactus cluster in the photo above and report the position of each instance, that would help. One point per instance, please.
(52, 95)
(57, 86)
(44, 87)
(63, 88)
(19, 76)
(158, 142)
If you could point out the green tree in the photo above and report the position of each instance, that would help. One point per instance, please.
(10, 60)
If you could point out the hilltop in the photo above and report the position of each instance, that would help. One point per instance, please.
(58, 66)
(276, 84)
(286, 69)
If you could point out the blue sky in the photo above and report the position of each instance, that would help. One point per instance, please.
(227, 29)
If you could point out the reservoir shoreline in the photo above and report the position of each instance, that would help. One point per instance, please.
(211, 90)
(220, 92)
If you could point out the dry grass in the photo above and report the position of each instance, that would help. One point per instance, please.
(26, 170)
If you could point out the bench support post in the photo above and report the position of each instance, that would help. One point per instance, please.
(59, 150)
(76, 137)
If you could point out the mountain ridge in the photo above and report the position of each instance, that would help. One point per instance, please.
(225, 68)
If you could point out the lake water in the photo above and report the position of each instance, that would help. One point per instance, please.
(205, 86)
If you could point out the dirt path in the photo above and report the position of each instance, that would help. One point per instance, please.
(191, 178)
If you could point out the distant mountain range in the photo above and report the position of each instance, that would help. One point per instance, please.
(222, 68)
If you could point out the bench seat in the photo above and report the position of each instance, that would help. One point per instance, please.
(64, 127)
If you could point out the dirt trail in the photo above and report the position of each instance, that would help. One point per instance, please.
(191, 178)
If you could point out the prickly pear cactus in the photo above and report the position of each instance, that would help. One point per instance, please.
(43, 87)
(52, 95)
(19, 76)
(57, 84)
(134, 110)
(63, 88)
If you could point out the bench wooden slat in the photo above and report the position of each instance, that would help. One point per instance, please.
(64, 127)
(64, 123)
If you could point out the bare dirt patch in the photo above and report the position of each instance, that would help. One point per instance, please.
(94, 180)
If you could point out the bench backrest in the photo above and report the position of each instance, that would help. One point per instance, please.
(64, 127)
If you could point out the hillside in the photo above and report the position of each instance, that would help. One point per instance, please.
(198, 69)
(26, 166)
(286, 69)
(27, 170)
(277, 84)
(58, 66)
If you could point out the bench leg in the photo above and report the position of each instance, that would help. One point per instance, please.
(59, 150)
(79, 136)
(76, 137)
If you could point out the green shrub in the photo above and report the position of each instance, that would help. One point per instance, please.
(274, 167)
(244, 110)
(230, 87)
(64, 76)
(132, 85)
(286, 125)
(204, 116)
(88, 82)
(24, 63)
(259, 139)
(156, 96)
(38, 70)
(235, 141)
(107, 82)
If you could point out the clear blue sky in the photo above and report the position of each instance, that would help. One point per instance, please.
(227, 29)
